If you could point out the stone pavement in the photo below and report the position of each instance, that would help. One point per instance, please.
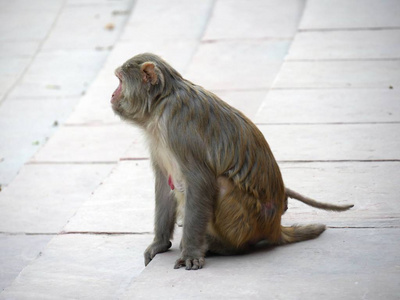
(320, 80)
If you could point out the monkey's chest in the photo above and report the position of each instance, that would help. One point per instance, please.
(170, 167)
(176, 185)
(164, 158)
(171, 170)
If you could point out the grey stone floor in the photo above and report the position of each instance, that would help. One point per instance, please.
(320, 80)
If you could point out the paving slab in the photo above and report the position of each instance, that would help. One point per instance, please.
(42, 62)
(91, 2)
(343, 44)
(11, 68)
(341, 263)
(99, 24)
(81, 267)
(311, 142)
(225, 72)
(43, 197)
(123, 203)
(137, 150)
(178, 53)
(40, 22)
(18, 48)
(26, 5)
(60, 73)
(175, 20)
(329, 106)
(94, 108)
(321, 14)
(44, 117)
(88, 144)
(248, 101)
(6, 82)
(17, 251)
(371, 186)
(183, 24)
(232, 19)
(339, 74)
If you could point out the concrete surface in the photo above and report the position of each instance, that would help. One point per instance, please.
(50, 52)
(329, 106)
(341, 264)
(76, 206)
(77, 266)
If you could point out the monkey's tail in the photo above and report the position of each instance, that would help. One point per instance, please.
(298, 233)
(292, 194)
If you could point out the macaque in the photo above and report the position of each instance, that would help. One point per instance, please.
(210, 161)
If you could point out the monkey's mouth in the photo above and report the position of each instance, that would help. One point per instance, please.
(117, 92)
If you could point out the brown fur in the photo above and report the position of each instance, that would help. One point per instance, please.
(222, 169)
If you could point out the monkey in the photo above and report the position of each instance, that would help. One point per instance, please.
(210, 161)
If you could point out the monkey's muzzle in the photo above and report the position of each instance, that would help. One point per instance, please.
(117, 93)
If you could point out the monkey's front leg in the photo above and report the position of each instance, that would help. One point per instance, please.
(199, 197)
(164, 220)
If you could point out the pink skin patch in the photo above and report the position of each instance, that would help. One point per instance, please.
(170, 183)
(268, 209)
(117, 93)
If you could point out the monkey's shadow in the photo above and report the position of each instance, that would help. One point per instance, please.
(260, 247)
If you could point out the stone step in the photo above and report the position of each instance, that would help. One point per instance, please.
(340, 262)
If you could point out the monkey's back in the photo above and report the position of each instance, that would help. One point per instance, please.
(211, 130)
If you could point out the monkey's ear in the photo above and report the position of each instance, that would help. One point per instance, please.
(150, 73)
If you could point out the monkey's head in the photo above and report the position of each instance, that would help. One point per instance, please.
(144, 81)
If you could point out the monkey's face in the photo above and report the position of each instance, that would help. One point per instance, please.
(128, 95)
(139, 83)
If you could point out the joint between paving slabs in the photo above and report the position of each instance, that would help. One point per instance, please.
(349, 29)
(75, 232)
(71, 162)
(104, 233)
(364, 227)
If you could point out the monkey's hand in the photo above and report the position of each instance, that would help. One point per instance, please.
(191, 262)
(153, 249)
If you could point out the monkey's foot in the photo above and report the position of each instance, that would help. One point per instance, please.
(190, 263)
(154, 249)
